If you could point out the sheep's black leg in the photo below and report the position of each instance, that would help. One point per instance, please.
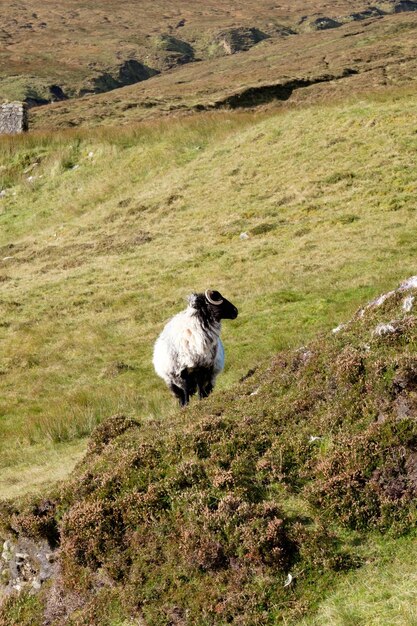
(205, 386)
(190, 384)
(186, 389)
(178, 393)
(205, 391)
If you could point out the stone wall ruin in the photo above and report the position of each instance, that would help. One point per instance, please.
(13, 118)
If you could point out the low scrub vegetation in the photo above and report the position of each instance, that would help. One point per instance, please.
(247, 507)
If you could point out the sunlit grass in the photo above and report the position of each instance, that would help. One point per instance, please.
(116, 227)
(382, 593)
(37, 468)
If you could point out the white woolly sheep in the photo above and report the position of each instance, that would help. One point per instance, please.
(188, 354)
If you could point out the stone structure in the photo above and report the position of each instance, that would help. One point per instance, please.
(13, 118)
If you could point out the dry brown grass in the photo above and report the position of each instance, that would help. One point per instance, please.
(73, 45)
(57, 42)
(382, 57)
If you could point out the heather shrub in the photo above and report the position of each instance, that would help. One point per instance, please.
(108, 430)
(369, 480)
(37, 520)
(203, 521)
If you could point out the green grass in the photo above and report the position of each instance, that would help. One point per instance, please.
(37, 468)
(20, 88)
(103, 254)
(102, 245)
(381, 593)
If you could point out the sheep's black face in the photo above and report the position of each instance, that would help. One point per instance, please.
(219, 307)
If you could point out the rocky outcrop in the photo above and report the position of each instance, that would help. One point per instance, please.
(405, 5)
(170, 51)
(254, 96)
(127, 73)
(50, 93)
(322, 23)
(366, 14)
(25, 565)
(325, 23)
(235, 40)
(57, 93)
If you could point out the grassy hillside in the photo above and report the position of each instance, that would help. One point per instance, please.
(152, 63)
(251, 507)
(381, 593)
(310, 67)
(199, 516)
(79, 46)
(103, 234)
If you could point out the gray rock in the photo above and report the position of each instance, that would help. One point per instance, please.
(384, 329)
(13, 118)
(25, 564)
(235, 40)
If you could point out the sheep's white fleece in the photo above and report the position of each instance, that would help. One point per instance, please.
(183, 344)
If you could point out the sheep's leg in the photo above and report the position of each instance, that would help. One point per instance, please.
(205, 385)
(187, 388)
(206, 390)
(189, 384)
(178, 393)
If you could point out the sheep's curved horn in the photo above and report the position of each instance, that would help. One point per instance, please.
(211, 299)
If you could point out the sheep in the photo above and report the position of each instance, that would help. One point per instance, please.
(189, 354)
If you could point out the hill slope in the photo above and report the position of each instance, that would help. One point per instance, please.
(80, 47)
(312, 66)
(104, 234)
(188, 57)
(246, 506)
